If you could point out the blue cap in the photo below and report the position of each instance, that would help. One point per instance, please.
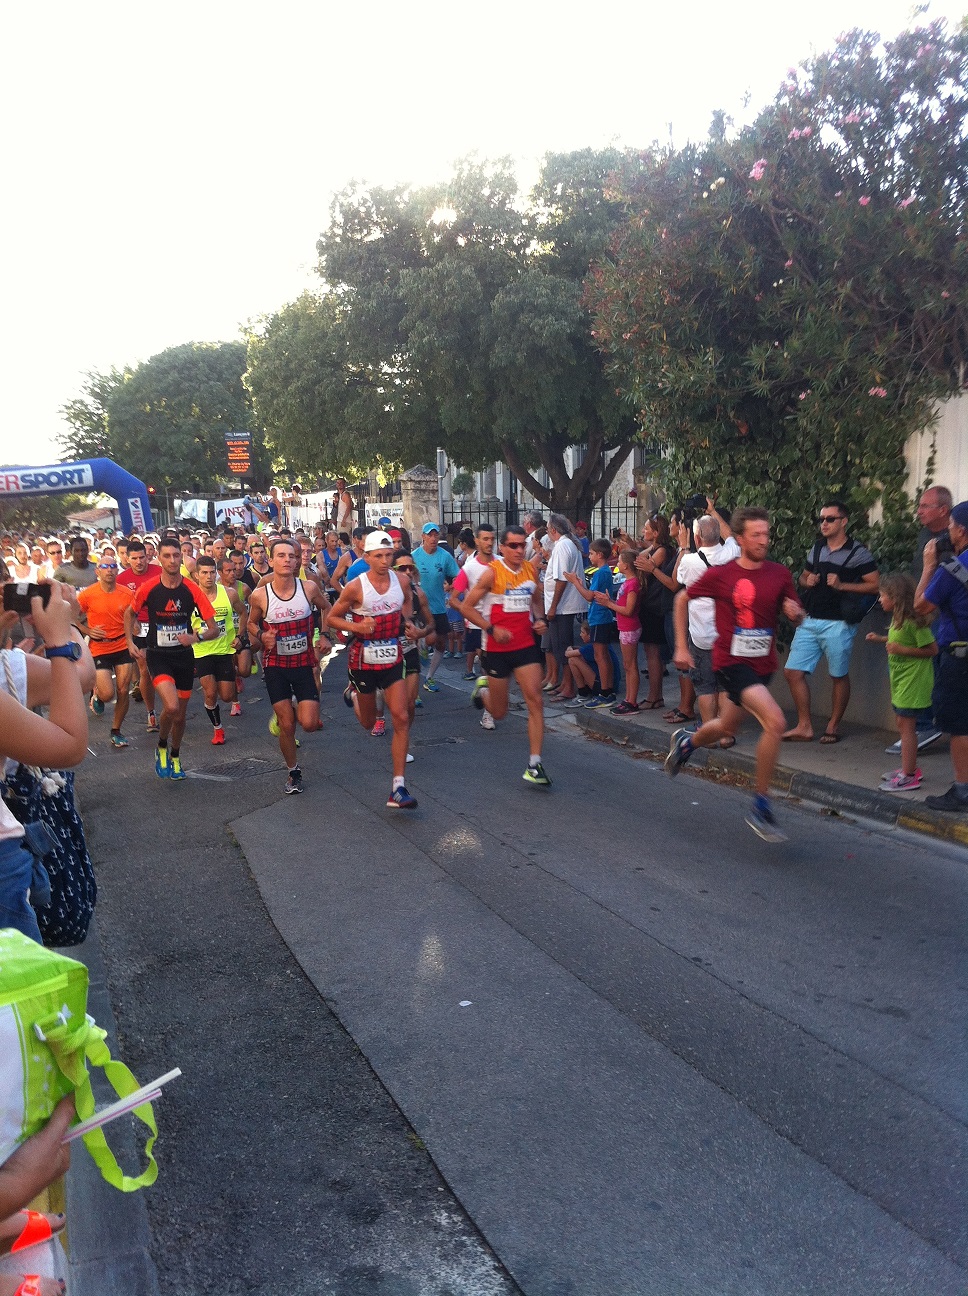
(428, 527)
(959, 513)
(383, 521)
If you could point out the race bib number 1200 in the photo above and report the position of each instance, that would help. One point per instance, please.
(517, 601)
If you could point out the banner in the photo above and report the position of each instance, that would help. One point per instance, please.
(393, 511)
(233, 513)
(139, 523)
(44, 481)
(192, 510)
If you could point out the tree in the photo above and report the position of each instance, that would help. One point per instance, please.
(786, 307)
(167, 419)
(454, 317)
(38, 513)
(87, 415)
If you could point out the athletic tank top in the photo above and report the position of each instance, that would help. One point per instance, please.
(225, 643)
(509, 605)
(292, 620)
(384, 647)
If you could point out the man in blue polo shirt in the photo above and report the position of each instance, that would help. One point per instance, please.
(943, 587)
(435, 566)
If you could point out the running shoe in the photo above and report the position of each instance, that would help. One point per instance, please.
(597, 701)
(294, 783)
(255, 669)
(625, 708)
(348, 694)
(162, 763)
(409, 758)
(680, 749)
(574, 703)
(152, 725)
(379, 729)
(925, 738)
(487, 721)
(950, 800)
(468, 675)
(236, 709)
(760, 818)
(536, 776)
(97, 706)
(136, 693)
(418, 701)
(175, 768)
(901, 782)
(117, 740)
(218, 737)
(274, 725)
(431, 685)
(401, 800)
(476, 698)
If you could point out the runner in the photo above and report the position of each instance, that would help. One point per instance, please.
(414, 630)
(507, 604)
(103, 605)
(373, 608)
(282, 620)
(215, 658)
(435, 566)
(235, 578)
(749, 594)
(170, 602)
(469, 574)
(139, 573)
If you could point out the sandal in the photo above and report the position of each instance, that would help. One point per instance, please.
(678, 717)
(652, 706)
(36, 1228)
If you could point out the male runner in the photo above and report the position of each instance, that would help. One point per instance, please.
(103, 606)
(373, 608)
(139, 573)
(170, 602)
(749, 594)
(507, 603)
(469, 574)
(282, 620)
(234, 578)
(215, 658)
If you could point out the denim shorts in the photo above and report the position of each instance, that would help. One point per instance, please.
(816, 638)
(16, 868)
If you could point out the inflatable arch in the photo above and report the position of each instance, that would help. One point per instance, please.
(88, 475)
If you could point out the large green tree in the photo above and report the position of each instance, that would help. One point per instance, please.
(454, 317)
(785, 307)
(165, 420)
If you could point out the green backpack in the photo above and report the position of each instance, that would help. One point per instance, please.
(46, 1042)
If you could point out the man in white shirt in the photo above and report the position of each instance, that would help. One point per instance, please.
(702, 611)
(564, 606)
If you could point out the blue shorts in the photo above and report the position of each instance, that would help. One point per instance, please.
(16, 870)
(816, 638)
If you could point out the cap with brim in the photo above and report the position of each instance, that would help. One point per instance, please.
(428, 527)
(377, 540)
(960, 513)
(383, 521)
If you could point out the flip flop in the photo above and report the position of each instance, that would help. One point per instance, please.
(37, 1228)
(797, 738)
(828, 740)
(678, 717)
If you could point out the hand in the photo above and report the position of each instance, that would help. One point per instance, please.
(810, 579)
(931, 557)
(682, 660)
(267, 633)
(876, 638)
(95, 632)
(55, 620)
(137, 653)
(501, 634)
(38, 1161)
(895, 649)
(833, 581)
(644, 563)
(792, 610)
(541, 625)
(601, 598)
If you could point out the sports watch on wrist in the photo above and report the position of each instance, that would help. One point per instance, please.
(72, 651)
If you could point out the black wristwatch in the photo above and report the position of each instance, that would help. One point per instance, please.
(72, 651)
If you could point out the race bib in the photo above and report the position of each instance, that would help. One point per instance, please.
(517, 601)
(292, 645)
(751, 643)
(381, 652)
(167, 635)
(220, 624)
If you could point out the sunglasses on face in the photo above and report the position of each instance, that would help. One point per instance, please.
(509, 545)
(830, 517)
(404, 567)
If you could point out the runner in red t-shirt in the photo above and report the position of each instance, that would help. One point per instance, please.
(138, 571)
(749, 594)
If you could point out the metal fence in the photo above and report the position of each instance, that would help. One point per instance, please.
(607, 516)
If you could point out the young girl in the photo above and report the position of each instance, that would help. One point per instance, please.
(625, 606)
(910, 647)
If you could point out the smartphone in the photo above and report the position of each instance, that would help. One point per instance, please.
(17, 596)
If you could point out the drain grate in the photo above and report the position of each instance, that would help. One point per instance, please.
(241, 767)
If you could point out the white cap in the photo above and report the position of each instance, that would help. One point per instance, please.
(377, 540)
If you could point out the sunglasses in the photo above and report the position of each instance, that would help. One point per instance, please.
(830, 517)
(516, 545)
(107, 566)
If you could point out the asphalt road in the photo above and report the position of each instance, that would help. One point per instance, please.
(647, 1052)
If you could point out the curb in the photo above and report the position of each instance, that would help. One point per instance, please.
(842, 797)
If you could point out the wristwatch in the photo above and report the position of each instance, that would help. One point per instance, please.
(72, 651)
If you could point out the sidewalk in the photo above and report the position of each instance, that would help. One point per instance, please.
(844, 776)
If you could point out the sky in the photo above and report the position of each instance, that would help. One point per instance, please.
(169, 167)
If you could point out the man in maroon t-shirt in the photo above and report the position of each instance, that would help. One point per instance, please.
(749, 595)
(134, 576)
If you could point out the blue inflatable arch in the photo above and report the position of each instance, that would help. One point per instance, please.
(102, 475)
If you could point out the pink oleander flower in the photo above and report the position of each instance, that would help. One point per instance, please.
(906, 202)
(759, 168)
(788, 264)
(804, 395)
(864, 201)
(877, 391)
(839, 193)
(806, 132)
(851, 119)
(946, 294)
(794, 135)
